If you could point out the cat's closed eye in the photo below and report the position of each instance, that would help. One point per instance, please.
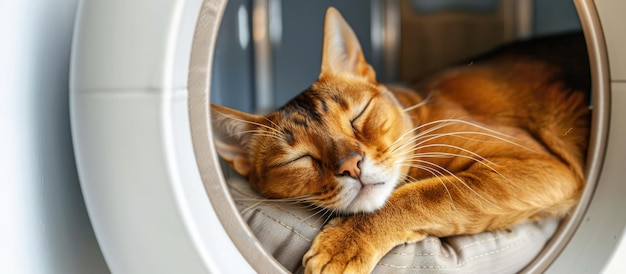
(356, 126)
(297, 159)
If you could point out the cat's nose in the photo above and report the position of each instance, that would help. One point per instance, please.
(349, 166)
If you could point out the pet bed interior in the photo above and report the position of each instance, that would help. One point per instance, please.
(286, 230)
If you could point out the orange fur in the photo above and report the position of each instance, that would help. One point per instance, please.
(474, 148)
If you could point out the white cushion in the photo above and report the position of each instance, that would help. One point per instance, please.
(286, 231)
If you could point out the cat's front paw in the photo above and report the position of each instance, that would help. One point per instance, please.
(339, 248)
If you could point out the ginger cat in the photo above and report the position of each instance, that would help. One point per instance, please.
(474, 148)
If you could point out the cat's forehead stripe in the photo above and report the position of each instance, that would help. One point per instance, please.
(300, 121)
(324, 106)
(304, 108)
(340, 101)
(289, 137)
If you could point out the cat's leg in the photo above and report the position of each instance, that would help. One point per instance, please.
(347, 245)
(484, 197)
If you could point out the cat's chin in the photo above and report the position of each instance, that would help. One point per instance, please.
(371, 191)
(370, 197)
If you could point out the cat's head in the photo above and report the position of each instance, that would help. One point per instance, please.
(331, 145)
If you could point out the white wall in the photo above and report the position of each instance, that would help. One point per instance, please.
(44, 227)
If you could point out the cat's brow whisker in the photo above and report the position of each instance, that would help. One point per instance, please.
(420, 104)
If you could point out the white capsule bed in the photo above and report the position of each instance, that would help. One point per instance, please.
(159, 201)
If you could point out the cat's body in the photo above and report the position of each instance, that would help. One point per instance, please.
(478, 147)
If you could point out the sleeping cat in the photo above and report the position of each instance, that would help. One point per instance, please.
(478, 147)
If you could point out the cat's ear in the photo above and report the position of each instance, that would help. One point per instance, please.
(231, 132)
(341, 52)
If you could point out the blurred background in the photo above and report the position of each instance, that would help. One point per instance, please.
(261, 66)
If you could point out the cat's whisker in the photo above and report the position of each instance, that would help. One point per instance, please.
(484, 162)
(425, 135)
(395, 207)
(451, 174)
(480, 160)
(461, 134)
(416, 129)
(420, 104)
(422, 137)
(419, 146)
(409, 146)
(413, 131)
(248, 198)
(415, 149)
(251, 207)
(438, 154)
(320, 211)
(406, 179)
(438, 175)
(331, 213)
(305, 199)
(429, 137)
